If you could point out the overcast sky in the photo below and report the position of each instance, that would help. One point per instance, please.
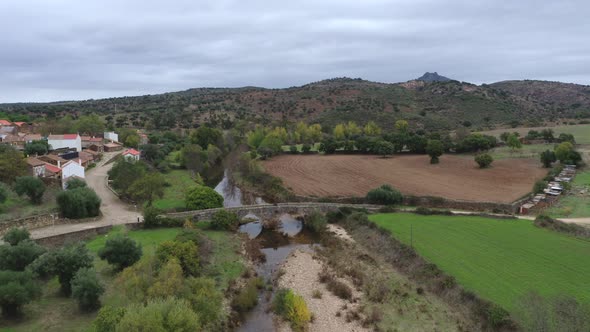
(80, 49)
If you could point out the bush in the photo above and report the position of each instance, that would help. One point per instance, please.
(108, 318)
(3, 195)
(205, 299)
(185, 252)
(339, 289)
(31, 186)
(19, 256)
(86, 289)
(160, 315)
(539, 186)
(74, 183)
(224, 220)
(292, 307)
(120, 251)
(547, 158)
(150, 217)
(316, 222)
(247, 298)
(43, 266)
(484, 160)
(64, 263)
(434, 149)
(16, 290)
(78, 203)
(16, 235)
(306, 148)
(202, 197)
(293, 149)
(385, 195)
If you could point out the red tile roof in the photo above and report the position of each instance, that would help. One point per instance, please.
(5, 123)
(19, 123)
(70, 136)
(52, 168)
(131, 152)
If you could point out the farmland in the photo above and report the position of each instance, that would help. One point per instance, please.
(580, 132)
(455, 177)
(492, 258)
(576, 203)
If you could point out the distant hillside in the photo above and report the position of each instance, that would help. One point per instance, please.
(431, 105)
(433, 77)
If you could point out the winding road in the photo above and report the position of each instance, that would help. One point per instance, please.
(114, 211)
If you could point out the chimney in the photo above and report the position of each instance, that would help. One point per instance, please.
(59, 163)
(80, 161)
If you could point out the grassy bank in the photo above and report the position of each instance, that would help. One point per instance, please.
(179, 181)
(576, 203)
(499, 260)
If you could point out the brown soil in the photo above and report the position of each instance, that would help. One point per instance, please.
(454, 177)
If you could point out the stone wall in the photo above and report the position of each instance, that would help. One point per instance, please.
(270, 211)
(38, 221)
(439, 202)
(85, 234)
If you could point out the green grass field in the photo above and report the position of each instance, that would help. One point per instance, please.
(576, 203)
(498, 259)
(527, 151)
(16, 207)
(580, 132)
(314, 147)
(179, 182)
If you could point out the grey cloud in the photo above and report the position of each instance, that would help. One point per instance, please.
(65, 49)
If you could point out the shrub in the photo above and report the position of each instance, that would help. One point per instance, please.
(247, 298)
(78, 203)
(108, 318)
(484, 160)
(385, 195)
(339, 289)
(19, 256)
(150, 217)
(168, 282)
(86, 289)
(547, 158)
(64, 263)
(16, 290)
(306, 148)
(16, 235)
(292, 307)
(31, 186)
(539, 186)
(3, 195)
(185, 252)
(160, 315)
(74, 183)
(205, 299)
(434, 149)
(497, 316)
(202, 197)
(120, 251)
(43, 266)
(293, 149)
(316, 222)
(224, 220)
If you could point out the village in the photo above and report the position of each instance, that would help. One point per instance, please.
(68, 155)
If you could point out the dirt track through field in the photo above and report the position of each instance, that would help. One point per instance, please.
(454, 177)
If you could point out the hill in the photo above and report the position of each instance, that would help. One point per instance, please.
(431, 105)
(433, 77)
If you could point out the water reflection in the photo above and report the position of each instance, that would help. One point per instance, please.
(232, 195)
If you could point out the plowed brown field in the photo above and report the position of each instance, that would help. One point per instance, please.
(454, 177)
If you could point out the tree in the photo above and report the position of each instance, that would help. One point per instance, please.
(563, 137)
(168, 282)
(214, 155)
(352, 129)
(401, 126)
(125, 173)
(225, 220)
(435, 149)
(16, 290)
(547, 158)
(203, 197)
(15, 235)
(67, 261)
(160, 315)
(513, 142)
(385, 195)
(204, 136)
(12, 164)
(132, 141)
(563, 151)
(36, 148)
(78, 203)
(3, 195)
(86, 289)
(547, 135)
(539, 186)
(147, 188)
(504, 136)
(90, 124)
(340, 131)
(484, 160)
(316, 222)
(31, 186)
(108, 318)
(315, 132)
(271, 143)
(192, 157)
(17, 257)
(329, 146)
(372, 129)
(383, 148)
(185, 252)
(255, 137)
(121, 251)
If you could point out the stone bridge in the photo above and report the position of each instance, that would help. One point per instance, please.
(270, 211)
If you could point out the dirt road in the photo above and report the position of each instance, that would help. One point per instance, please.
(114, 211)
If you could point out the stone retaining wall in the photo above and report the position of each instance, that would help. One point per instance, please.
(85, 234)
(42, 220)
(269, 211)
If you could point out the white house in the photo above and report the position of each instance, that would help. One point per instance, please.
(111, 135)
(131, 155)
(70, 141)
(71, 169)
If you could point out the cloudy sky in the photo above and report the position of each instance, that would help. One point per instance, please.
(73, 49)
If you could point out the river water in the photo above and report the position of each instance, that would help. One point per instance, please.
(276, 245)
